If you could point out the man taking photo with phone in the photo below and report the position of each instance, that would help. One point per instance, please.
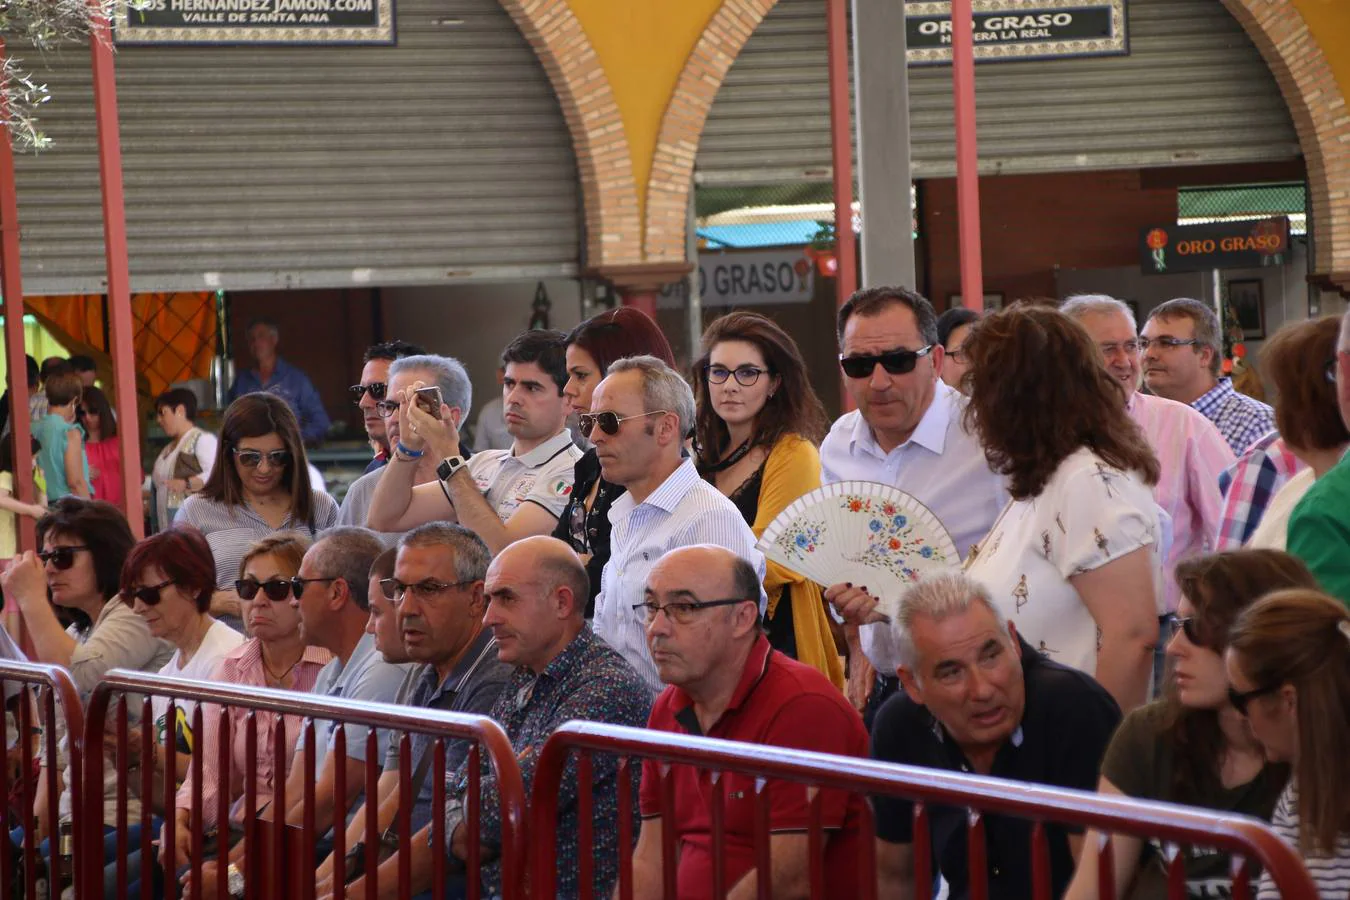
(503, 495)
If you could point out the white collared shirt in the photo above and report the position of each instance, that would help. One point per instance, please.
(942, 465)
(685, 510)
(543, 476)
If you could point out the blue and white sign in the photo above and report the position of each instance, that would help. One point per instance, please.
(748, 278)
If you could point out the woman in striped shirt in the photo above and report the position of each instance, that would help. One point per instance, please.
(1288, 667)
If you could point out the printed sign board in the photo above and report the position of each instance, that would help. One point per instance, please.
(1168, 249)
(255, 22)
(1019, 29)
(748, 278)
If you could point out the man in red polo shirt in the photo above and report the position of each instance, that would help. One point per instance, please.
(724, 681)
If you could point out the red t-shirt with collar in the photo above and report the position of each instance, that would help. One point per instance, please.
(782, 703)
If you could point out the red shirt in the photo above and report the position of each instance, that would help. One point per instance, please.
(106, 456)
(779, 702)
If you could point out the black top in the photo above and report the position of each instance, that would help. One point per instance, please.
(588, 532)
(1066, 725)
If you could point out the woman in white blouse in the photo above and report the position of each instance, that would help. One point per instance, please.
(1074, 560)
(184, 465)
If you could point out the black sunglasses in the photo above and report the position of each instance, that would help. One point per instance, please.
(149, 594)
(1187, 626)
(1240, 699)
(609, 422)
(298, 584)
(251, 459)
(378, 390)
(61, 557)
(276, 589)
(896, 362)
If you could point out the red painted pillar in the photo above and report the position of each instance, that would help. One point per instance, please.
(967, 156)
(841, 151)
(11, 285)
(119, 277)
(641, 298)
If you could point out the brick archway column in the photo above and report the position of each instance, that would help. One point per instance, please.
(1318, 108)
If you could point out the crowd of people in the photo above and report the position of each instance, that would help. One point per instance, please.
(1152, 601)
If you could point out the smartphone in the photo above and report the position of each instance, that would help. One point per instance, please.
(429, 398)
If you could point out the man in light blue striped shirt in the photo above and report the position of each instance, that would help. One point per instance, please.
(640, 415)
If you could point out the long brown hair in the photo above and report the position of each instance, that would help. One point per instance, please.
(1306, 410)
(792, 409)
(1219, 587)
(255, 415)
(1039, 392)
(1302, 638)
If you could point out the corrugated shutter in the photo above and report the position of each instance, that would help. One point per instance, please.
(443, 159)
(1193, 90)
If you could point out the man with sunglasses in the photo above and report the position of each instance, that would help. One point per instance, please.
(273, 375)
(373, 388)
(640, 415)
(725, 681)
(907, 431)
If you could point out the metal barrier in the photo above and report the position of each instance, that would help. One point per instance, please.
(51, 683)
(282, 875)
(1249, 841)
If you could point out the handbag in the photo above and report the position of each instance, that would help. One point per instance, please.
(186, 464)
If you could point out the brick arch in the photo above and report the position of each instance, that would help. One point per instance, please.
(609, 190)
(682, 125)
(1318, 108)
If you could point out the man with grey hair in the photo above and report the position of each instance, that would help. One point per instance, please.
(640, 415)
(273, 375)
(443, 372)
(503, 495)
(978, 698)
(1183, 354)
(1319, 528)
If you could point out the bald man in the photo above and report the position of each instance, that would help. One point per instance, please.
(724, 681)
(536, 592)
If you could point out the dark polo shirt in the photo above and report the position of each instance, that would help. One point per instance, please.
(778, 702)
(1066, 725)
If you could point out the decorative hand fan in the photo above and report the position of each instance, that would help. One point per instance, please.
(861, 532)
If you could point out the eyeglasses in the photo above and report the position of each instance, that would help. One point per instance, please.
(958, 356)
(745, 375)
(1130, 348)
(275, 589)
(387, 408)
(1186, 625)
(61, 557)
(609, 422)
(149, 594)
(896, 362)
(298, 584)
(681, 612)
(429, 587)
(1166, 343)
(251, 459)
(378, 390)
(1240, 699)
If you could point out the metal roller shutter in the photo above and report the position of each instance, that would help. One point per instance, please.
(443, 159)
(1193, 90)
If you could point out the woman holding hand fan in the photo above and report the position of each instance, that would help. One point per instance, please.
(758, 425)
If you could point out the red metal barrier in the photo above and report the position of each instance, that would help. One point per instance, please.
(273, 870)
(1249, 841)
(52, 687)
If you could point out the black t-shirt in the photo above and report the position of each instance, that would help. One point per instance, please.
(588, 531)
(1065, 728)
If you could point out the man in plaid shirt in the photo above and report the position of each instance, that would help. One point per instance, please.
(1248, 485)
(1182, 355)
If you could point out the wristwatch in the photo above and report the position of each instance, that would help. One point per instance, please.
(449, 466)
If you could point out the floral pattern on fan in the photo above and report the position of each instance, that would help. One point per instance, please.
(801, 539)
(892, 541)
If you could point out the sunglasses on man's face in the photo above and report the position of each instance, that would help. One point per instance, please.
(149, 594)
(896, 362)
(609, 422)
(251, 459)
(61, 557)
(275, 589)
(378, 390)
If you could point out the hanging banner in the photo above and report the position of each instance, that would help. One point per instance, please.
(1019, 29)
(748, 278)
(1168, 249)
(324, 22)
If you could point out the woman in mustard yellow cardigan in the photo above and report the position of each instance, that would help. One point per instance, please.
(758, 425)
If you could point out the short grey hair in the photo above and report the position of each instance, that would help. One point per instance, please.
(1078, 306)
(348, 552)
(447, 372)
(471, 554)
(662, 388)
(1204, 319)
(936, 597)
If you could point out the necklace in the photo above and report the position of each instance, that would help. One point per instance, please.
(736, 456)
(280, 679)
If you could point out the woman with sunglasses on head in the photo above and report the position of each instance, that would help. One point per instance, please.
(758, 422)
(591, 348)
(262, 486)
(84, 544)
(101, 445)
(185, 463)
(1075, 559)
(1193, 746)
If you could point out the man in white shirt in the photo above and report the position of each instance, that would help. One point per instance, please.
(502, 495)
(907, 431)
(639, 417)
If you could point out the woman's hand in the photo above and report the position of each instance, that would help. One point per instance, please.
(24, 580)
(440, 437)
(182, 840)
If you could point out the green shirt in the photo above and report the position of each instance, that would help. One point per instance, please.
(1319, 530)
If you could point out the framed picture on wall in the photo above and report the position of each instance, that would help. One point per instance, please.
(1247, 301)
(991, 302)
